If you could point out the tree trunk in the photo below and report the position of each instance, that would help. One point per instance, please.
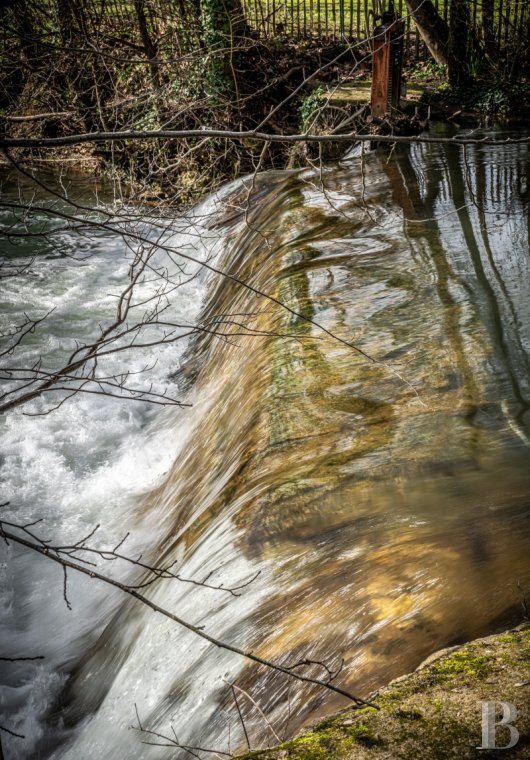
(72, 25)
(24, 24)
(150, 47)
(458, 48)
(223, 23)
(432, 27)
(487, 24)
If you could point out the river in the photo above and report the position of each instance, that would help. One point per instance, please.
(360, 459)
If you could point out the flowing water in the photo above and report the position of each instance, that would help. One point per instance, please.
(382, 496)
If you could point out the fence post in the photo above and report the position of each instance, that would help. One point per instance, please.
(341, 22)
(387, 62)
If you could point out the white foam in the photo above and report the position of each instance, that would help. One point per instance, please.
(85, 463)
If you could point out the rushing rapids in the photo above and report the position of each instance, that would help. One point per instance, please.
(365, 450)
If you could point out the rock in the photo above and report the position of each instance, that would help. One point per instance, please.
(434, 713)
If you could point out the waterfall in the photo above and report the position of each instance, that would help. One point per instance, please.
(355, 450)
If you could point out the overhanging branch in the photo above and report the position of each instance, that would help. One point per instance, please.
(49, 143)
(47, 551)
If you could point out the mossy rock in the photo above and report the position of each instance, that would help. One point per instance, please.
(433, 713)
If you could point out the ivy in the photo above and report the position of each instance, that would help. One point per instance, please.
(221, 21)
(310, 107)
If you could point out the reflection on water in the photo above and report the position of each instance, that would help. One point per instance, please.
(386, 499)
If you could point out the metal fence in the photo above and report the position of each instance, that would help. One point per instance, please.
(327, 20)
(352, 20)
(157, 27)
(171, 27)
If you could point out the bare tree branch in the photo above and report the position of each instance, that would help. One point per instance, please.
(173, 741)
(235, 688)
(168, 134)
(44, 550)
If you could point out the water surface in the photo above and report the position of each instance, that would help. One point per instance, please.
(375, 471)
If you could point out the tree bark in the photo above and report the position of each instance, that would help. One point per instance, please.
(223, 24)
(24, 23)
(71, 18)
(487, 24)
(150, 47)
(458, 48)
(432, 27)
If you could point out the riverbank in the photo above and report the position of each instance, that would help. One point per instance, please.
(433, 713)
(59, 95)
(282, 87)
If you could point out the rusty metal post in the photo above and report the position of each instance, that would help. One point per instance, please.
(387, 63)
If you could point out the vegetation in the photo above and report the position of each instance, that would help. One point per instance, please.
(433, 713)
(239, 68)
(165, 64)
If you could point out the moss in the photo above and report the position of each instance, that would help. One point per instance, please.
(315, 745)
(463, 663)
(328, 723)
(438, 742)
(365, 710)
(409, 714)
(391, 696)
(508, 639)
(325, 742)
(364, 735)
(308, 748)
(437, 704)
(432, 713)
